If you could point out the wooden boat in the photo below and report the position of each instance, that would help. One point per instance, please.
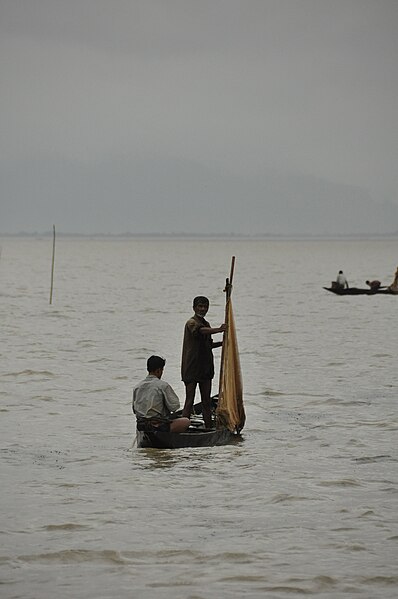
(360, 291)
(193, 437)
(228, 410)
(383, 290)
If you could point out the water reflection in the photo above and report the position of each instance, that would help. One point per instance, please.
(153, 459)
(194, 458)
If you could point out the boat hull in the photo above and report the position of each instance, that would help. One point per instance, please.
(359, 291)
(191, 438)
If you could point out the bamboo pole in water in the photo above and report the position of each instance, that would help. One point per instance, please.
(52, 267)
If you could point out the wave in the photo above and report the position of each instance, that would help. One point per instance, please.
(28, 372)
(66, 526)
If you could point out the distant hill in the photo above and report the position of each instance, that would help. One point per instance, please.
(172, 196)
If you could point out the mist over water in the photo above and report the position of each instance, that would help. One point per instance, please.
(306, 504)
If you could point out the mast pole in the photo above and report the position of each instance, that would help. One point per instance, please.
(228, 291)
(228, 286)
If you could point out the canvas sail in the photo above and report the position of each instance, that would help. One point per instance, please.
(230, 412)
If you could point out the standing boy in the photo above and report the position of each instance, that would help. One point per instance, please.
(197, 364)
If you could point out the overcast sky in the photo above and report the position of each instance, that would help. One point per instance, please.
(242, 116)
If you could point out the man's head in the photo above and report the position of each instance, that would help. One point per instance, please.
(200, 305)
(155, 365)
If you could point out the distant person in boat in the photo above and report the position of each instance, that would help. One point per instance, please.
(341, 281)
(394, 284)
(154, 401)
(374, 285)
(197, 363)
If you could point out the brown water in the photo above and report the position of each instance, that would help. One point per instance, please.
(305, 505)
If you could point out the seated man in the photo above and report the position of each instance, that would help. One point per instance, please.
(374, 285)
(341, 281)
(154, 401)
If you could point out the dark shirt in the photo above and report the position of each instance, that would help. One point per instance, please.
(197, 363)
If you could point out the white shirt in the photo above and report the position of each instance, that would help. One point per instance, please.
(341, 280)
(154, 398)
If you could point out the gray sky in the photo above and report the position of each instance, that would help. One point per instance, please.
(250, 116)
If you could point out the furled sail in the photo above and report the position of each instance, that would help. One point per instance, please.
(230, 412)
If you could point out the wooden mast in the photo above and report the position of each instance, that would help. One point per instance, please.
(228, 291)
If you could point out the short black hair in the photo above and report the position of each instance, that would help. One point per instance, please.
(200, 299)
(155, 362)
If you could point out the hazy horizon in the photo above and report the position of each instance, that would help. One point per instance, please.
(199, 235)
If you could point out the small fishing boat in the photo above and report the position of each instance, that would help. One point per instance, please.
(372, 290)
(227, 406)
(361, 291)
(193, 437)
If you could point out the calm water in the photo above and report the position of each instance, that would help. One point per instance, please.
(305, 505)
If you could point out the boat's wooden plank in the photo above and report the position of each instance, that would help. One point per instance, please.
(191, 438)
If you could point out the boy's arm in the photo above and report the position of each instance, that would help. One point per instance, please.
(212, 330)
(217, 344)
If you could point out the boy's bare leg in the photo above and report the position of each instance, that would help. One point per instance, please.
(190, 389)
(205, 391)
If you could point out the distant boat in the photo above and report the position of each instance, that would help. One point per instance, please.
(359, 291)
(228, 410)
(378, 290)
